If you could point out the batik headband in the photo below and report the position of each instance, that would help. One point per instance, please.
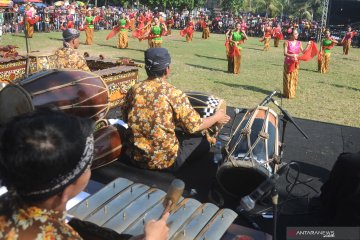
(61, 181)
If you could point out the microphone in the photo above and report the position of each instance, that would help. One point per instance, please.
(173, 195)
(248, 202)
(267, 99)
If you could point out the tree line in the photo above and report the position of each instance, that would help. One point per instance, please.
(304, 9)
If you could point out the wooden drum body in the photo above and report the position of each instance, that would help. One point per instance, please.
(107, 146)
(75, 92)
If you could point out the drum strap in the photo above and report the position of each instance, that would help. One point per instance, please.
(246, 132)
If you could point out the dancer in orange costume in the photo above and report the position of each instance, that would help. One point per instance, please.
(189, 30)
(346, 41)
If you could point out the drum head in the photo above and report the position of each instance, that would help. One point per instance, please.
(14, 100)
(241, 180)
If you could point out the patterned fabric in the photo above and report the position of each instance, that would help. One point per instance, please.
(123, 41)
(152, 109)
(36, 223)
(290, 80)
(323, 63)
(267, 43)
(89, 36)
(67, 57)
(346, 46)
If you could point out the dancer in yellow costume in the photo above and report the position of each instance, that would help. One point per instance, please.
(123, 34)
(325, 53)
(238, 36)
(156, 32)
(89, 22)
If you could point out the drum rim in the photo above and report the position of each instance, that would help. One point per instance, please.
(26, 95)
(227, 163)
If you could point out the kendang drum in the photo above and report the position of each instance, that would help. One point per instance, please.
(250, 153)
(107, 144)
(207, 105)
(74, 92)
(41, 61)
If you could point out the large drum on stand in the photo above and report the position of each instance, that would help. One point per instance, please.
(74, 92)
(250, 153)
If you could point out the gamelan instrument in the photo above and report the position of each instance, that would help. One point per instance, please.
(250, 153)
(207, 105)
(75, 92)
(119, 76)
(124, 207)
(41, 61)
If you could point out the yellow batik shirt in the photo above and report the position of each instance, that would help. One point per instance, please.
(152, 109)
(67, 57)
(38, 224)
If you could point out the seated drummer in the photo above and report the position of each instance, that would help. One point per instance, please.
(153, 109)
(45, 160)
(67, 56)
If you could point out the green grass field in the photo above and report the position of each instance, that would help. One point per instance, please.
(201, 66)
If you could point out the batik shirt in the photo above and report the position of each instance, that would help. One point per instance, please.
(152, 109)
(67, 57)
(38, 224)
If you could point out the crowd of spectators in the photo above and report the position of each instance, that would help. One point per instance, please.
(55, 18)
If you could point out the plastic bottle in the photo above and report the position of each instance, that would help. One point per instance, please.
(217, 153)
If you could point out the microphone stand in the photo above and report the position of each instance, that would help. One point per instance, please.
(275, 201)
(289, 118)
(282, 146)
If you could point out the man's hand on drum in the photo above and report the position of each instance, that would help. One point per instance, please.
(222, 116)
(219, 117)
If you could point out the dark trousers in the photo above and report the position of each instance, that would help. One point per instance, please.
(191, 146)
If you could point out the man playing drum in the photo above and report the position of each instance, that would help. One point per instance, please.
(153, 109)
(58, 149)
(67, 56)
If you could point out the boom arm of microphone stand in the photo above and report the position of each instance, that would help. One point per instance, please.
(289, 118)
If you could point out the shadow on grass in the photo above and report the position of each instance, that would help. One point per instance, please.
(20, 35)
(106, 45)
(203, 56)
(248, 87)
(341, 86)
(257, 49)
(207, 68)
(309, 70)
(56, 39)
(114, 46)
(177, 40)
